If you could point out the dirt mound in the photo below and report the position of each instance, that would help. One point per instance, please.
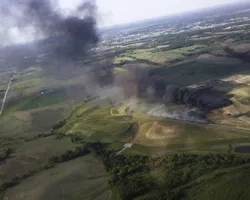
(241, 48)
(155, 131)
(122, 111)
(206, 56)
(230, 110)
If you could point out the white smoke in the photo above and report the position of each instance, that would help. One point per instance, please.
(179, 112)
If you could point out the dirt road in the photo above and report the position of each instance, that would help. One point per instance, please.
(5, 95)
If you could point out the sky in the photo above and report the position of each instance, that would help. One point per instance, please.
(112, 12)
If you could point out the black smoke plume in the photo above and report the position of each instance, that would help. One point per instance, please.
(65, 34)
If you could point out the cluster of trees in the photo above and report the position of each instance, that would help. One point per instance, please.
(5, 153)
(70, 154)
(4, 140)
(37, 137)
(133, 176)
(239, 37)
(245, 56)
(58, 125)
(76, 138)
(160, 177)
(207, 160)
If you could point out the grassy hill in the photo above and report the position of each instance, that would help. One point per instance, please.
(94, 123)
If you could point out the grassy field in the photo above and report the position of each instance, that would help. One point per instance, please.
(32, 122)
(32, 155)
(178, 175)
(159, 55)
(161, 136)
(82, 178)
(97, 124)
(230, 183)
(37, 100)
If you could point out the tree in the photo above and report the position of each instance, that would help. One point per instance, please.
(230, 148)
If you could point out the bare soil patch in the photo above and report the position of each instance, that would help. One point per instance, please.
(155, 132)
(241, 48)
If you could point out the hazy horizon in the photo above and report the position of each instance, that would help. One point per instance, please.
(117, 12)
(174, 14)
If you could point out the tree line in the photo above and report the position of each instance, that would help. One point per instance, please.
(162, 177)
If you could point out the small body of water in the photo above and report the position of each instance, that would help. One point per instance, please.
(180, 112)
(242, 149)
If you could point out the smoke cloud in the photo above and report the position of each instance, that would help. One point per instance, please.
(179, 112)
(66, 34)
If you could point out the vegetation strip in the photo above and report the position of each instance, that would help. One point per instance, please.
(166, 177)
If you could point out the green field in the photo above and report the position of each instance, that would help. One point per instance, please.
(32, 155)
(95, 123)
(82, 178)
(36, 101)
(230, 183)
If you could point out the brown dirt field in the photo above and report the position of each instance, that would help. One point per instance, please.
(206, 56)
(23, 116)
(230, 110)
(241, 48)
(245, 119)
(242, 108)
(229, 116)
